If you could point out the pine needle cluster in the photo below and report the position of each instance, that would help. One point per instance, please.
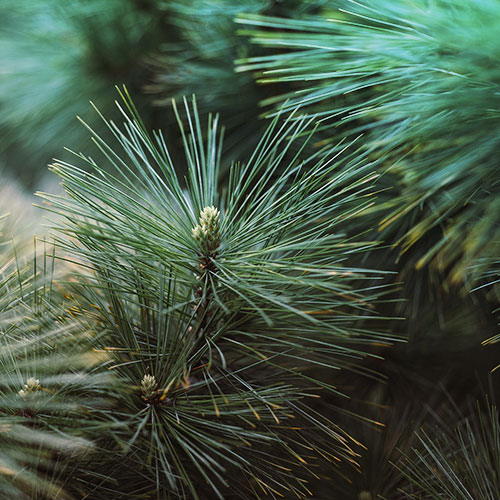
(419, 80)
(302, 304)
(216, 306)
(56, 57)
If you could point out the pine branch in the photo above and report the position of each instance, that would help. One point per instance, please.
(419, 80)
(46, 379)
(216, 304)
(460, 462)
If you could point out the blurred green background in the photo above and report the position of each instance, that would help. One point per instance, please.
(58, 56)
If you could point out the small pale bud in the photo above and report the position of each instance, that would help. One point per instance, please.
(148, 386)
(31, 385)
(365, 495)
(207, 232)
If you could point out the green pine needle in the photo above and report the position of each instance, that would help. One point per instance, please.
(420, 80)
(217, 303)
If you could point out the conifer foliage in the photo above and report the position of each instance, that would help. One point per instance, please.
(56, 57)
(298, 299)
(459, 462)
(47, 381)
(216, 305)
(419, 80)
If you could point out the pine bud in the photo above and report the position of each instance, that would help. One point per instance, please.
(148, 386)
(365, 495)
(31, 385)
(207, 232)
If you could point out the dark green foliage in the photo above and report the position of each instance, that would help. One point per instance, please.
(459, 461)
(217, 305)
(201, 59)
(202, 63)
(383, 420)
(419, 79)
(55, 58)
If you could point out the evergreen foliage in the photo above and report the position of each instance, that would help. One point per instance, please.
(419, 79)
(460, 461)
(217, 304)
(46, 379)
(56, 57)
(317, 320)
(200, 61)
